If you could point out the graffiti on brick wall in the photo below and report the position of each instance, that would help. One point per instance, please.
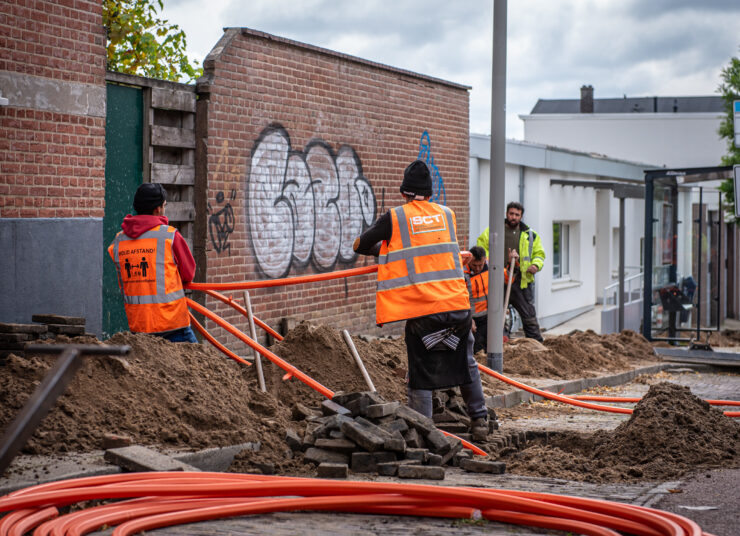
(425, 154)
(305, 206)
(221, 223)
(221, 219)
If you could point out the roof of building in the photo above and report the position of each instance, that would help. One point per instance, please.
(711, 104)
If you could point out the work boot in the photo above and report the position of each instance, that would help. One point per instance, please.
(479, 429)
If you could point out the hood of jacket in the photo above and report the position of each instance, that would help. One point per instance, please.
(135, 226)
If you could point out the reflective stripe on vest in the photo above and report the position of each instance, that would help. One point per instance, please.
(479, 290)
(408, 253)
(161, 233)
(531, 244)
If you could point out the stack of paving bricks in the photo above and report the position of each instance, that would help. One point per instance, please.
(364, 433)
(14, 337)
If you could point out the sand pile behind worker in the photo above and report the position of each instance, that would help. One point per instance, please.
(576, 355)
(321, 352)
(174, 395)
(670, 433)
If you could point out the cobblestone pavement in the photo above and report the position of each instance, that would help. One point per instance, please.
(705, 384)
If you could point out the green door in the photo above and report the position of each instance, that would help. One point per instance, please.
(123, 174)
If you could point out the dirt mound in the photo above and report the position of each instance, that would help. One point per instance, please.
(322, 353)
(670, 433)
(576, 355)
(176, 395)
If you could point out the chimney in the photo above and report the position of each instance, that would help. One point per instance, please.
(587, 99)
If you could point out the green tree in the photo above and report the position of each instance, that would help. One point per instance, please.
(141, 43)
(730, 89)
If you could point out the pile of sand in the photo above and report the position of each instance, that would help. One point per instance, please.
(670, 433)
(577, 355)
(189, 396)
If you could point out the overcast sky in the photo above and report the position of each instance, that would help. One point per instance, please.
(621, 47)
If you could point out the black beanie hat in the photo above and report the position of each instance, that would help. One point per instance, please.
(417, 180)
(149, 196)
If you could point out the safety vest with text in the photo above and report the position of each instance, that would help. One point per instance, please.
(153, 296)
(419, 269)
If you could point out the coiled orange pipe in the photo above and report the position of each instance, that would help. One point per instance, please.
(163, 499)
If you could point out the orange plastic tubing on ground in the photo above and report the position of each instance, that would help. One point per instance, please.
(154, 500)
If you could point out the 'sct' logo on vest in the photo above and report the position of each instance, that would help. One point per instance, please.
(427, 224)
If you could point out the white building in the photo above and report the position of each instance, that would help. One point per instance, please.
(597, 142)
(568, 193)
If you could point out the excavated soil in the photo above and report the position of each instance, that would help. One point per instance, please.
(576, 355)
(670, 433)
(189, 396)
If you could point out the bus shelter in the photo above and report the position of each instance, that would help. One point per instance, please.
(683, 254)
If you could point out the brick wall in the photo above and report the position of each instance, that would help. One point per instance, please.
(305, 148)
(52, 132)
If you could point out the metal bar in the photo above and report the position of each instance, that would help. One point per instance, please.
(496, 198)
(647, 301)
(358, 359)
(720, 219)
(620, 324)
(700, 221)
(45, 396)
(253, 332)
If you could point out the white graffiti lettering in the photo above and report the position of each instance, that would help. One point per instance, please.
(305, 206)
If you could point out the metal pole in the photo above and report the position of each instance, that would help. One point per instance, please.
(358, 359)
(496, 201)
(46, 394)
(720, 294)
(699, 220)
(253, 333)
(647, 291)
(621, 265)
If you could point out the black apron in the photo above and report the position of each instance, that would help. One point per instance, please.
(439, 367)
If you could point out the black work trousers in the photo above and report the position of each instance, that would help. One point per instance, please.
(522, 300)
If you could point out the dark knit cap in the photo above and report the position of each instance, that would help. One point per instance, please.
(149, 196)
(417, 180)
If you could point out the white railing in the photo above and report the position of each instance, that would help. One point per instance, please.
(633, 286)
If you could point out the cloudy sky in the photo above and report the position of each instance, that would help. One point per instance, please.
(621, 47)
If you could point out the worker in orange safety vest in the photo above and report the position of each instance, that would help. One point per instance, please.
(153, 261)
(421, 281)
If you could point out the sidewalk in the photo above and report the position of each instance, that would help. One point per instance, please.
(588, 320)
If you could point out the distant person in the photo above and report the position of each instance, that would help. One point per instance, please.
(153, 296)
(524, 246)
(478, 281)
(433, 300)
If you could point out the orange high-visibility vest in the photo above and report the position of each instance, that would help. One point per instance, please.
(153, 296)
(479, 291)
(420, 270)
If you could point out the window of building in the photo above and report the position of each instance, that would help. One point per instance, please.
(561, 250)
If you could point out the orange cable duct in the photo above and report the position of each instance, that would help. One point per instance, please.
(215, 343)
(230, 301)
(290, 369)
(157, 500)
(573, 401)
(264, 283)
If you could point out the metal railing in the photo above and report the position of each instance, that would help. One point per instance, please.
(633, 286)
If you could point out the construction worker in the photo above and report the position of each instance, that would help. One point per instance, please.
(477, 276)
(153, 261)
(421, 280)
(524, 246)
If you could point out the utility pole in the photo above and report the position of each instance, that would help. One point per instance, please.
(496, 205)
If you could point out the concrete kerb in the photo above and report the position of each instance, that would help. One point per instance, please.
(514, 398)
